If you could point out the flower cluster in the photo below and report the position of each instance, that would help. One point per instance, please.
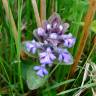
(52, 44)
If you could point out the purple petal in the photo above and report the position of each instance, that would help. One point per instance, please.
(60, 50)
(39, 45)
(66, 43)
(45, 60)
(60, 58)
(33, 50)
(45, 71)
(68, 59)
(41, 32)
(53, 42)
(65, 56)
(61, 28)
(47, 57)
(49, 27)
(65, 36)
(40, 73)
(53, 36)
(36, 67)
(33, 41)
(29, 46)
(49, 50)
(42, 55)
(69, 41)
(52, 57)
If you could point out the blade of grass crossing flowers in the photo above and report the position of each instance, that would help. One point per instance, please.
(42, 10)
(54, 6)
(35, 8)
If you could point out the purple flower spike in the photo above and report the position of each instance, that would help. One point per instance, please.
(69, 41)
(65, 56)
(47, 57)
(52, 40)
(41, 70)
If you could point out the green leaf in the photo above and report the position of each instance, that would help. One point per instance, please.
(59, 84)
(70, 90)
(34, 81)
(67, 91)
(93, 26)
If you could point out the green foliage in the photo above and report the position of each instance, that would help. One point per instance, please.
(93, 26)
(17, 74)
(59, 84)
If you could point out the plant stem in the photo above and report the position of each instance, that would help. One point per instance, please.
(36, 12)
(19, 43)
(54, 6)
(43, 10)
(53, 70)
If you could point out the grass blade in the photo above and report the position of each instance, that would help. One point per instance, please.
(34, 4)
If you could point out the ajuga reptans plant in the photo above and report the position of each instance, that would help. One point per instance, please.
(51, 44)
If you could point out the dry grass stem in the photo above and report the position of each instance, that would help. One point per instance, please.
(36, 12)
(43, 10)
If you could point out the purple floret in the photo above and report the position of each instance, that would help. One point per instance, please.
(47, 57)
(41, 70)
(31, 46)
(41, 32)
(69, 40)
(65, 56)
